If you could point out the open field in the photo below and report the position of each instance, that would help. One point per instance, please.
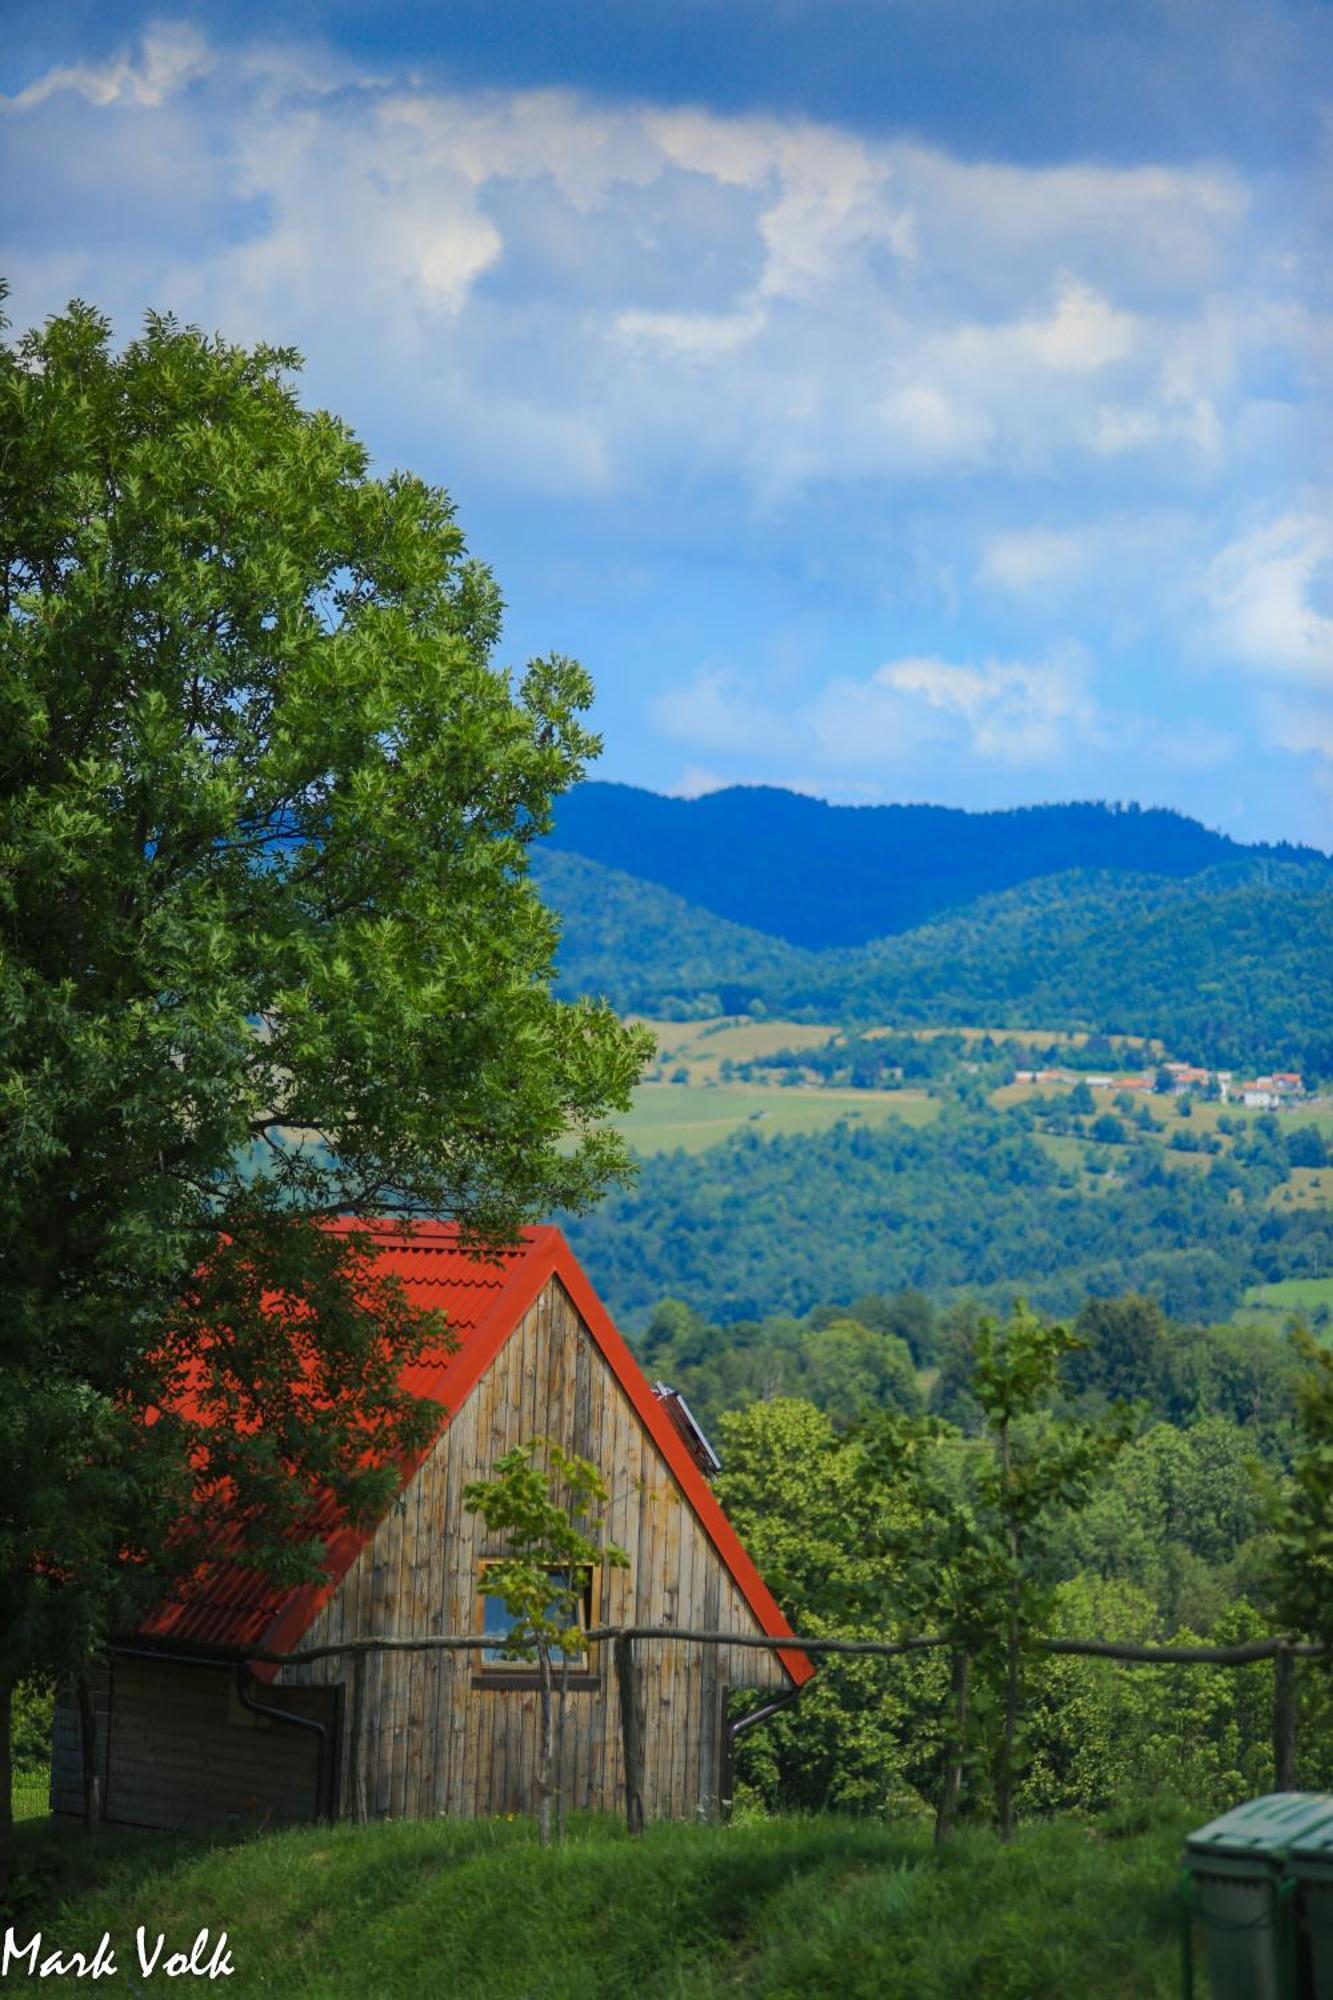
(1306, 1187)
(1040, 1038)
(695, 1116)
(1289, 1295)
(701, 1046)
(1203, 1116)
(688, 1102)
(817, 1907)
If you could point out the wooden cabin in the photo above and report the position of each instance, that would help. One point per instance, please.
(189, 1734)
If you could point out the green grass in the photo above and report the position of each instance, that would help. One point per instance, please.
(696, 1116)
(1305, 1187)
(788, 1909)
(1289, 1295)
(30, 1793)
(700, 1046)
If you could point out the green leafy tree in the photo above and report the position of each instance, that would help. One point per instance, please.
(1034, 1473)
(1121, 1352)
(544, 1513)
(1303, 1515)
(849, 1369)
(866, 1735)
(269, 953)
(936, 1568)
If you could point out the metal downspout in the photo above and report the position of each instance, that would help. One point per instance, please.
(323, 1761)
(741, 1723)
(324, 1774)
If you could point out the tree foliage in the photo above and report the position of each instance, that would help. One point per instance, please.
(547, 1516)
(269, 953)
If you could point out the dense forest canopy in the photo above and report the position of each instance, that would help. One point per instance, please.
(1231, 967)
(819, 875)
(970, 1202)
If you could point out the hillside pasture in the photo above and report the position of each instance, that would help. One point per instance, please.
(1287, 1296)
(701, 1046)
(694, 1116)
(1305, 1187)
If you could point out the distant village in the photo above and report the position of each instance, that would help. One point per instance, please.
(1176, 1079)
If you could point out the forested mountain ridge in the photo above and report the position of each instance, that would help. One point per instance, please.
(821, 875)
(1230, 967)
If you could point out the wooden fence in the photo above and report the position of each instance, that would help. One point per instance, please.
(1283, 1651)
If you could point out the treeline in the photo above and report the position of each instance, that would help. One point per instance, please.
(1150, 1475)
(905, 1353)
(971, 1202)
(1230, 967)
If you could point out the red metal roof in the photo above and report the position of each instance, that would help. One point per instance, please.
(230, 1607)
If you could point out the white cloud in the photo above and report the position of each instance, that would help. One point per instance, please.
(1306, 728)
(1259, 591)
(994, 404)
(705, 336)
(1023, 560)
(696, 781)
(770, 301)
(934, 426)
(1083, 333)
(1007, 713)
(174, 54)
(719, 712)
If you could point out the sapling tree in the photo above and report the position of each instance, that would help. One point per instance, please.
(269, 953)
(939, 1568)
(974, 1559)
(545, 1506)
(1035, 1472)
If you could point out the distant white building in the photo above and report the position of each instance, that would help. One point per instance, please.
(1268, 1093)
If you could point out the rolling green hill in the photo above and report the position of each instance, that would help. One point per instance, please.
(1231, 967)
(968, 1202)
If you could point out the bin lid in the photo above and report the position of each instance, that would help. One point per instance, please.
(1316, 1844)
(1267, 1827)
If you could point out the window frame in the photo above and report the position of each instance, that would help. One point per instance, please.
(582, 1669)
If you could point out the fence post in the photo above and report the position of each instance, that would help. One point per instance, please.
(955, 1739)
(92, 1777)
(631, 1733)
(1284, 1720)
(356, 1754)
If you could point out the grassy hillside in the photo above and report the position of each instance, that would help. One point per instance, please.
(1231, 967)
(821, 875)
(696, 1116)
(775, 1909)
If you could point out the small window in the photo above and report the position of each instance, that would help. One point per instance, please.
(497, 1621)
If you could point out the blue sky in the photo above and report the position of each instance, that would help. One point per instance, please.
(898, 399)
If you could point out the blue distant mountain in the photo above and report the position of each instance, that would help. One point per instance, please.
(820, 875)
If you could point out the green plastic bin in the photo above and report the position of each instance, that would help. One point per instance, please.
(1242, 1900)
(1310, 1866)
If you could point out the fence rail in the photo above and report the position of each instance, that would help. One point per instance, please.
(1283, 1650)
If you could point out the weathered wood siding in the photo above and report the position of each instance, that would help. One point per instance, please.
(67, 1745)
(181, 1752)
(435, 1742)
